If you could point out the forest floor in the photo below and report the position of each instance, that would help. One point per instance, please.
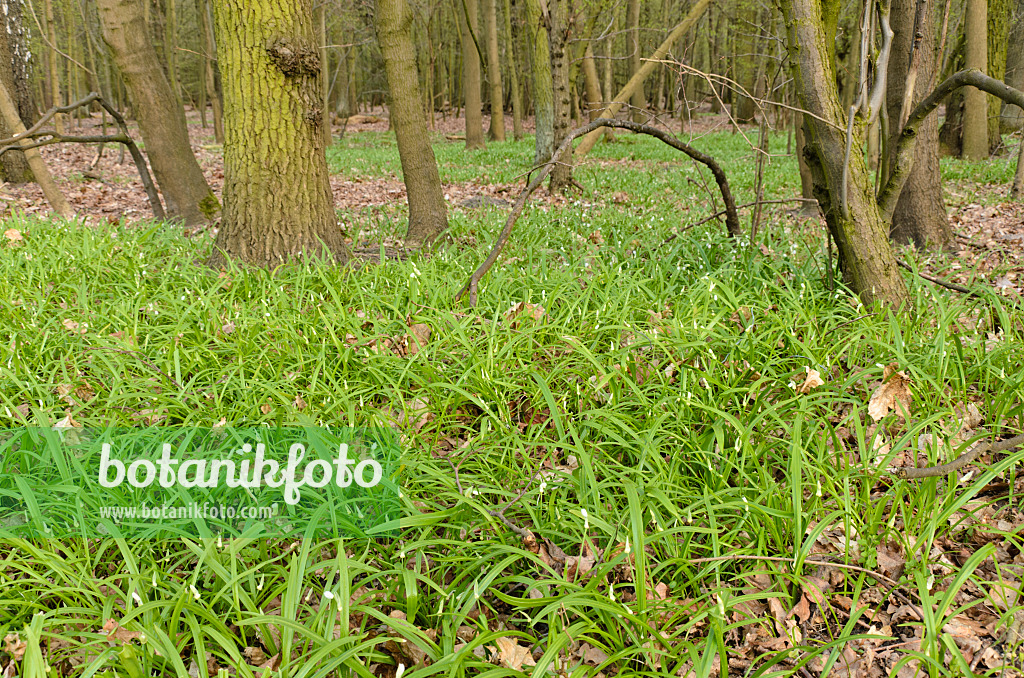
(648, 450)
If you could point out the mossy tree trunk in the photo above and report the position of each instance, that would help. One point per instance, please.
(637, 100)
(467, 11)
(160, 115)
(543, 93)
(14, 62)
(920, 214)
(428, 216)
(277, 196)
(975, 130)
(856, 223)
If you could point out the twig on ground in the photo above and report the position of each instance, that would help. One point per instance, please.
(910, 472)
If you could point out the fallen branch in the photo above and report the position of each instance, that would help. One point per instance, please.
(732, 220)
(911, 472)
(47, 137)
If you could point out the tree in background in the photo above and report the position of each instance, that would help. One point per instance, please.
(277, 196)
(428, 215)
(469, 27)
(1012, 117)
(920, 214)
(159, 113)
(975, 132)
(558, 41)
(497, 128)
(544, 104)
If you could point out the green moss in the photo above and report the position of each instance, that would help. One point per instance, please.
(209, 206)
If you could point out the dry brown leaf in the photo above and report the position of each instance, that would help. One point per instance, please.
(418, 335)
(299, 403)
(512, 655)
(15, 646)
(892, 394)
(812, 380)
(522, 311)
(72, 326)
(116, 633)
(13, 236)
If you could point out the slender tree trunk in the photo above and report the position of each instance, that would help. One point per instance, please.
(806, 180)
(171, 47)
(469, 26)
(52, 63)
(558, 37)
(14, 61)
(999, 13)
(543, 98)
(513, 75)
(428, 216)
(277, 196)
(161, 118)
(210, 74)
(591, 84)
(637, 100)
(1012, 117)
(920, 214)
(975, 134)
(497, 129)
(325, 71)
(12, 121)
(854, 220)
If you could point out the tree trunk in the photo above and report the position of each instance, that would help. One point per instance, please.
(1012, 117)
(558, 37)
(51, 64)
(277, 196)
(920, 215)
(806, 180)
(12, 120)
(468, 25)
(513, 75)
(854, 220)
(14, 74)
(497, 128)
(975, 131)
(999, 12)
(591, 83)
(428, 217)
(544, 104)
(637, 100)
(161, 118)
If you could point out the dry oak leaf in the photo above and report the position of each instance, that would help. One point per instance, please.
(72, 326)
(116, 633)
(13, 235)
(15, 646)
(417, 338)
(512, 655)
(512, 315)
(892, 394)
(813, 380)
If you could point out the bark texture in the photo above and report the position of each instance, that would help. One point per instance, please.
(561, 173)
(920, 214)
(14, 74)
(975, 130)
(160, 116)
(469, 26)
(637, 100)
(428, 215)
(543, 99)
(277, 197)
(1011, 117)
(862, 236)
(513, 75)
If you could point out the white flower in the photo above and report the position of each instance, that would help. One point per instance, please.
(195, 592)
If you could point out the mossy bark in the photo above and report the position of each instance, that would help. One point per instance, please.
(558, 37)
(160, 115)
(496, 132)
(543, 94)
(1012, 117)
(428, 216)
(861, 234)
(277, 196)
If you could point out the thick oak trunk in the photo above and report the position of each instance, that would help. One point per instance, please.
(277, 196)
